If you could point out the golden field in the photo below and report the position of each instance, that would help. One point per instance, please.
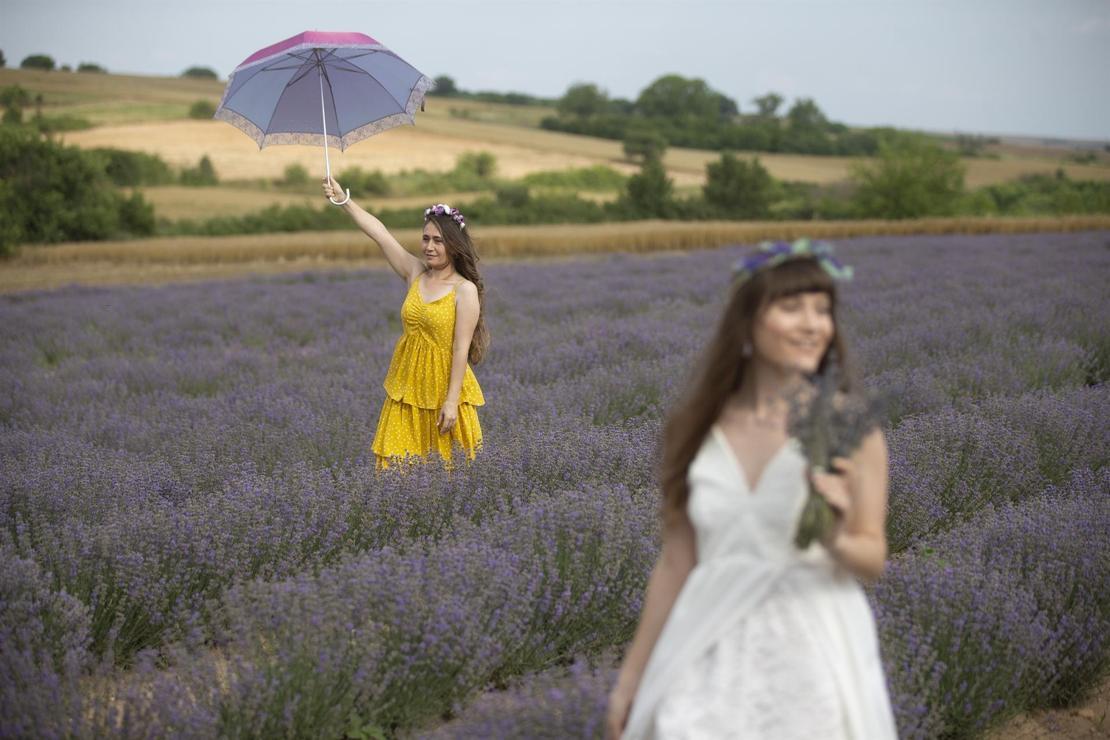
(434, 145)
(172, 259)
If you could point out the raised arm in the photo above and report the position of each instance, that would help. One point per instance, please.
(400, 259)
(677, 559)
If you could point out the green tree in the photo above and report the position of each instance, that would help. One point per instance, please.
(911, 177)
(677, 98)
(445, 87)
(767, 106)
(37, 61)
(91, 67)
(738, 189)
(204, 73)
(583, 100)
(807, 128)
(3, 60)
(643, 141)
(650, 192)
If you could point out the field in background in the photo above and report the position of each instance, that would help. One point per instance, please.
(149, 114)
(173, 259)
(177, 202)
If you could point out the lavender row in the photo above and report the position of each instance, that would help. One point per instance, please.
(999, 615)
(167, 450)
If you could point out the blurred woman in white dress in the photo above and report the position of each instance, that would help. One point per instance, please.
(743, 634)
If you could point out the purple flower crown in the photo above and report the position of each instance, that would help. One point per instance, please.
(775, 253)
(442, 209)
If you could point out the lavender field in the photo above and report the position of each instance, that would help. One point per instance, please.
(194, 542)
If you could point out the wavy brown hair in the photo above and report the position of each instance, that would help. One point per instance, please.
(722, 368)
(464, 258)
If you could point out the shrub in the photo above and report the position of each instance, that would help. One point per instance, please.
(644, 141)
(738, 189)
(295, 175)
(204, 73)
(49, 124)
(481, 165)
(597, 177)
(136, 216)
(203, 174)
(52, 193)
(14, 98)
(364, 182)
(912, 177)
(37, 61)
(3, 61)
(131, 169)
(1041, 194)
(649, 193)
(513, 195)
(444, 87)
(91, 67)
(202, 109)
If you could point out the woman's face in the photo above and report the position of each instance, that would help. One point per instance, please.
(435, 251)
(793, 332)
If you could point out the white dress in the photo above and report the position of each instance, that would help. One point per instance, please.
(764, 640)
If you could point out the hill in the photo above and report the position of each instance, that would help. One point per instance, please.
(151, 114)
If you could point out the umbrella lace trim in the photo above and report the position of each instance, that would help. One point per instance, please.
(340, 142)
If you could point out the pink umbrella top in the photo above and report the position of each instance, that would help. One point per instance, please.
(310, 40)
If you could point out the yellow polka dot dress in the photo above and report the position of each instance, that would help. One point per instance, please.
(416, 386)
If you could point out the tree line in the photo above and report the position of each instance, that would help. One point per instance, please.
(687, 112)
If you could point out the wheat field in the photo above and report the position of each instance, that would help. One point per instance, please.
(149, 114)
(434, 144)
(188, 258)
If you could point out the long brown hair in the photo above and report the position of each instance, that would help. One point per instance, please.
(464, 258)
(723, 366)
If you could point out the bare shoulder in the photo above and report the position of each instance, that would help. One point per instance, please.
(872, 450)
(467, 289)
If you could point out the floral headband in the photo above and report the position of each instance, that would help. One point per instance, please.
(775, 253)
(442, 209)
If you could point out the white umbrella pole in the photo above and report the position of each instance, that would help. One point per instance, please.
(327, 160)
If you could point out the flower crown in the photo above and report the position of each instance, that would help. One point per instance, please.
(442, 209)
(775, 253)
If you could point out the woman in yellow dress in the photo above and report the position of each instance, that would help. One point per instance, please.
(431, 392)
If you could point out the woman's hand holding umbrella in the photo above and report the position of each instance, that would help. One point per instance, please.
(332, 188)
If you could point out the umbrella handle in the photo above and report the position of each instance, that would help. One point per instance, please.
(327, 160)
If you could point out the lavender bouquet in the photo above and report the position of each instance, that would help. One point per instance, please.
(827, 424)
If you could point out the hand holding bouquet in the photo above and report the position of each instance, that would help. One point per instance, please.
(828, 424)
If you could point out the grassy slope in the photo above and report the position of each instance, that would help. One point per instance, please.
(148, 114)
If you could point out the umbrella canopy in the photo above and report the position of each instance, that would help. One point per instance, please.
(322, 88)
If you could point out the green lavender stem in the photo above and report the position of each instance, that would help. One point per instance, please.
(817, 516)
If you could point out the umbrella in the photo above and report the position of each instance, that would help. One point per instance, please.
(363, 88)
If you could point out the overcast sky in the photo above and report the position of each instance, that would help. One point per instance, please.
(1037, 67)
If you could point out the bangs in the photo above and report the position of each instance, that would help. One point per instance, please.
(801, 275)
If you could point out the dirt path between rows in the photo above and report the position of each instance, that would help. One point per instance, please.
(1089, 719)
